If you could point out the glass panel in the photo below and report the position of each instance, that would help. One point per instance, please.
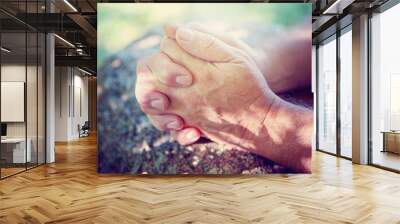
(385, 84)
(31, 97)
(31, 87)
(327, 96)
(41, 98)
(22, 88)
(346, 94)
(13, 86)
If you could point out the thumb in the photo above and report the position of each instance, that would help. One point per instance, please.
(170, 29)
(203, 45)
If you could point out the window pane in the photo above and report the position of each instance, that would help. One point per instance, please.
(327, 96)
(32, 87)
(345, 94)
(31, 97)
(41, 98)
(385, 89)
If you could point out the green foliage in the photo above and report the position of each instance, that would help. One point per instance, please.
(120, 24)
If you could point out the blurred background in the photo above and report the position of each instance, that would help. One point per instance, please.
(120, 24)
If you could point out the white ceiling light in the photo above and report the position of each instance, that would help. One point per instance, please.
(86, 72)
(79, 51)
(5, 50)
(70, 5)
(337, 7)
(65, 41)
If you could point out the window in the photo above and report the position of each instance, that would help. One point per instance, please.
(385, 89)
(346, 93)
(327, 95)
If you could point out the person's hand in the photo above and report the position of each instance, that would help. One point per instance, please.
(156, 104)
(229, 99)
(277, 80)
(185, 135)
(168, 72)
(284, 58)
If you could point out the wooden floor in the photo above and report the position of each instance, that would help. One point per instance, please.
(10, 171)
(70, 191)
(388, 159)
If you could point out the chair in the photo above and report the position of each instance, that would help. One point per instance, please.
(84, 130)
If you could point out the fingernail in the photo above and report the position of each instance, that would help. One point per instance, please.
(183, 80)
(185, 34)
(173, 125)
(157, 104)
(191, 135)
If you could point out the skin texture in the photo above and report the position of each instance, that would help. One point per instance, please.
(284, 60)
(227, 98)
(290, 76)
(291, 47)
(228, 90)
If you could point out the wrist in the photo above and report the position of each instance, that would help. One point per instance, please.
(286, 137)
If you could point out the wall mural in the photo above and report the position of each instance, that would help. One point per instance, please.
(204, 88)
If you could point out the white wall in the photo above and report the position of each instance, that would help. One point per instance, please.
(16, 73)
(33, 126)
(79, 117)
(13, 100)
(70, 83)
(61, 103)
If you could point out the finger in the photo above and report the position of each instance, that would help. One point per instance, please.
(166, 122)
(168, 72)
(228, 39)
(171, 28)
(187, 136)
(152, 102)
(204, 46)
(180, 56)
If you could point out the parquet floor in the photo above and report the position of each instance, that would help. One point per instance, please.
(70, 191)
(10, 171)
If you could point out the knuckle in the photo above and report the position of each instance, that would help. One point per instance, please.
(155, 123)
(141, 66)
(168, 46)
(208, 43)
(145, 107)
(143, 102)
(164, 43)
(168, 75)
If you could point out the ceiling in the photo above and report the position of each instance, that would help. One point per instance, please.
(332, 15)
(76, 22)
